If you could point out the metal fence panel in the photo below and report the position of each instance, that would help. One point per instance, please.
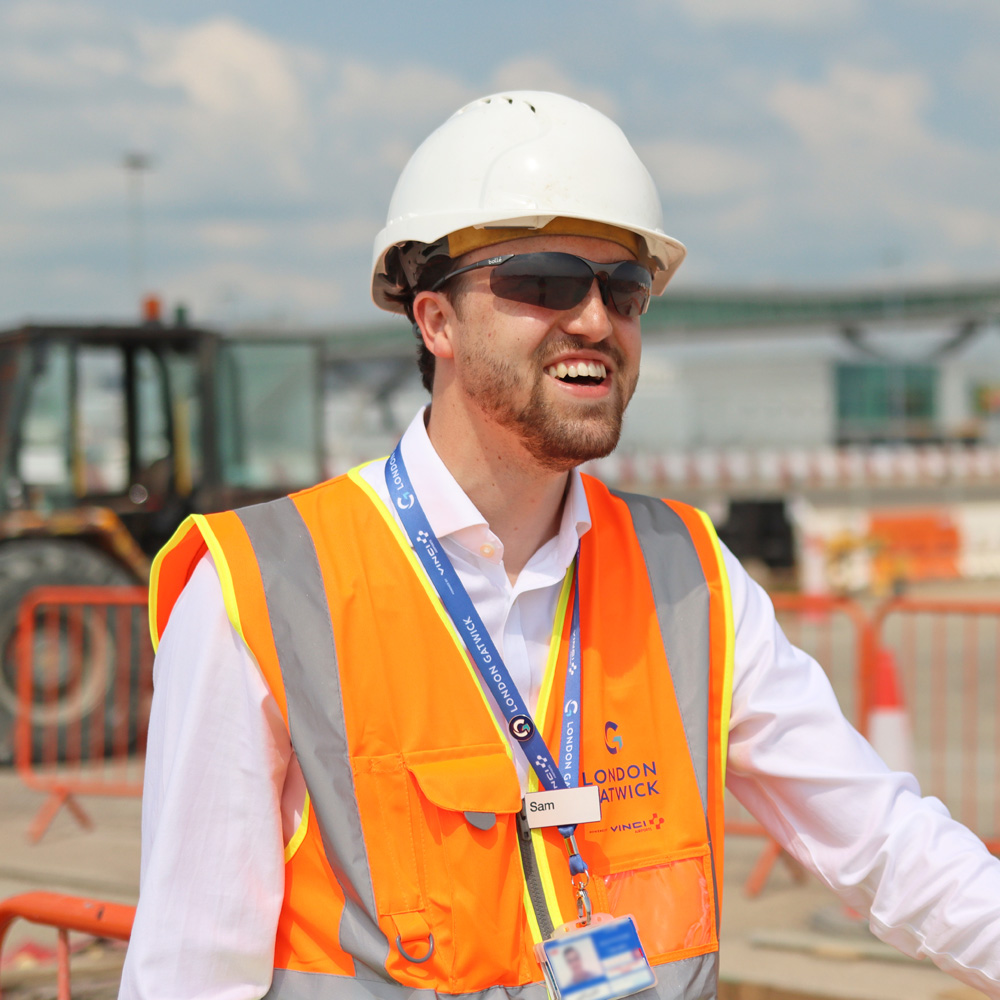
(947, 655)
(84, 689)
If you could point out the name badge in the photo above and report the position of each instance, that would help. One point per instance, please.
(601, 961)
(563, 807)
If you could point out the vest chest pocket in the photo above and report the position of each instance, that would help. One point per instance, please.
(440, 830)
(673, 903)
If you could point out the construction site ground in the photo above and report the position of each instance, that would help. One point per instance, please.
(792, 941)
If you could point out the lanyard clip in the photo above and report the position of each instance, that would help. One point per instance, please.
(583, 908)
(580, 877)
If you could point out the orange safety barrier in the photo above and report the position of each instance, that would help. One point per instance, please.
(67, 913)
(837, 633)
(947, 654)
(85, 668)
(914, 545)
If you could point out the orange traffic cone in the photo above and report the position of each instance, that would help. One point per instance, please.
(888, 724)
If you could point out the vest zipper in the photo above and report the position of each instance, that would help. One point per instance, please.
(529, 865)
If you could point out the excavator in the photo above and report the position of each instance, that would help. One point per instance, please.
(111, 434)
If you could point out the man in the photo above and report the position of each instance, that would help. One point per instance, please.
(356, 686)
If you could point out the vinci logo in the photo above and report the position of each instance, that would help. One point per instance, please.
(612, 742)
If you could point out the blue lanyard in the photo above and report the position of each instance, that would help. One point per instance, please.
(485, 656)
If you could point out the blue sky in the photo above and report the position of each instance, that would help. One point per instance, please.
(794, 142)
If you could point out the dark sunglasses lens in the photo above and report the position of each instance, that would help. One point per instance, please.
(551, 280)
(629, 286)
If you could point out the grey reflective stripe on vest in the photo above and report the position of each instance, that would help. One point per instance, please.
(681, 595)
(289, 984)
(688, 979)
(303, 638)
(678, 583)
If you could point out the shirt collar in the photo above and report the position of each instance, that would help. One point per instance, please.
(451, 513)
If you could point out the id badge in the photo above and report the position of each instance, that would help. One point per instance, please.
(601, 961)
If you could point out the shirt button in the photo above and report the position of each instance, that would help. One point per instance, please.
(486, 550)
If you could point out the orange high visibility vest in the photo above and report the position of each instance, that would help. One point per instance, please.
(411, 868)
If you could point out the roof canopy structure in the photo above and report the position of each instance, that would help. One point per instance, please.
(683, 313)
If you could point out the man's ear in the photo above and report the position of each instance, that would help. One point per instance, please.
(434, 314)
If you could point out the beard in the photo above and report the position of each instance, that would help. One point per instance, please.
(557, 434)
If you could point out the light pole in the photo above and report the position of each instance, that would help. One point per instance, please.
(135, 164)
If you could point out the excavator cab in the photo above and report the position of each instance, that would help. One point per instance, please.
(111, 435)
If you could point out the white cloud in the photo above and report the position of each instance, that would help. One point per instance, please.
(239, 292)
(62, 68)
(699, 169)
(102, 60)
(231, 113)
(45, 16)
(857, 108)
(232, 234)
(867, 168)
(333, 235)
(964, 227)
(225, 69)
(340, 234)
(373, 93)
(75, 186)
(746, 217)
(775, 13)
(979, 73)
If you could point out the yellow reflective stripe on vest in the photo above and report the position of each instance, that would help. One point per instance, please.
(727, 681)
(300, 832)
(225, 574)
(176, 538)
(541, 711)
(199, 523)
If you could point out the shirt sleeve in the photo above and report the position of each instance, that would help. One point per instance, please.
(928, 884)
(212, 869)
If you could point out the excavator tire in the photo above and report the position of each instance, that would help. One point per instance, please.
(37, 562)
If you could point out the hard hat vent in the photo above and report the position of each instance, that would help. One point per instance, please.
(509, 100)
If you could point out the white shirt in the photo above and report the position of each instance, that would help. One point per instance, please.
(223, 790)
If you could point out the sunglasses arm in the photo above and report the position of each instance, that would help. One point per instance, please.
(489, 262)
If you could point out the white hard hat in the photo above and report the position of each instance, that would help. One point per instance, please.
(523, 160)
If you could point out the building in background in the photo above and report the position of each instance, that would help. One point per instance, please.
(852, 436)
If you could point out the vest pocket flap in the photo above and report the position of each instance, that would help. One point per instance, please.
(483, 783)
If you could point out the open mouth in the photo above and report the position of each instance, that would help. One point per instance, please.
(578, 372)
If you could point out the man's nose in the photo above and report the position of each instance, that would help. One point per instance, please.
(590, 318)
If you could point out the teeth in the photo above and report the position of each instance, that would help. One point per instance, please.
(580, 370)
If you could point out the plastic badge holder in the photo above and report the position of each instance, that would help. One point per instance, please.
(601, 961)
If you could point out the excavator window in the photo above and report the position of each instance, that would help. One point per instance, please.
(44, 457)
(101, 460)
(268, 422)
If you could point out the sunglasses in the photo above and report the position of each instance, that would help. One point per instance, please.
(556, 280)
